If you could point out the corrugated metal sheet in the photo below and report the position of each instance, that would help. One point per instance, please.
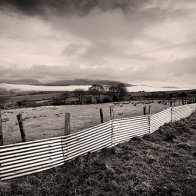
(87, 141)
(30, 157)
(159, 119)
(181, 112)
(124, 129)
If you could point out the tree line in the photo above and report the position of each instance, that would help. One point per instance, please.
(102, 93)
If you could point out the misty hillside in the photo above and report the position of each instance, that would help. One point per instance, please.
(84, 82)
(21, 81)
(63, 82)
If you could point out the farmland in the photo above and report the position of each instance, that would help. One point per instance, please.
(162, 163)
(48, 121)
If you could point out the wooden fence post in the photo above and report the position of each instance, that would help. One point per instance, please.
(111, 112)
(171, 114)
(112, 132)
(67, 123)
(1, 130)
(182, 101)
(149, 109)
(20, 123)
(101, 115)
(149, 124)
(170, 103)
(144, 110)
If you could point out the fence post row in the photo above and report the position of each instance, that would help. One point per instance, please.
(22, 131)
(7, 173)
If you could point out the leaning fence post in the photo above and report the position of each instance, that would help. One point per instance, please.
(1, 130)
(101, 115)
(67, 123)
(111, 112)
(20, 123)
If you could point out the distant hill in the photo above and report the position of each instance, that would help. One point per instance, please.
(174, 87)
(84, 82)
(21, 81)
(63, 82)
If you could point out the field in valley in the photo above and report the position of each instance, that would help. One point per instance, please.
(163, 163)
(48, 121)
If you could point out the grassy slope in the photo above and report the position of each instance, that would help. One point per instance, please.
(163, 163)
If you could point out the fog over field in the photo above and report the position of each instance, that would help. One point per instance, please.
(85, 87)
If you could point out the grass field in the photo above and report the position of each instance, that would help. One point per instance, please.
(48, 121)
(163, 163)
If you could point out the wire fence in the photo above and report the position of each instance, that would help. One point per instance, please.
(30, 157)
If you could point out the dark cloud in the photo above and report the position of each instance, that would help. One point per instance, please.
(30, 7)
(41, 72)
(79, 7)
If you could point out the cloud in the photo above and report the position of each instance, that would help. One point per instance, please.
(185, 66)
(129, 40)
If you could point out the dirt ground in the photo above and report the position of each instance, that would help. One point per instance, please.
(163, 163)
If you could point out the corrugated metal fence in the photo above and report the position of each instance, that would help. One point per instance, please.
(30, 157)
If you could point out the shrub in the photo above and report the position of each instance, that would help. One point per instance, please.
(169, 135)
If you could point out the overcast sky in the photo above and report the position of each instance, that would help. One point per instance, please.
(138, 41)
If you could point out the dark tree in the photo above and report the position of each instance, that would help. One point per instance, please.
(2, 102)
(65, 97)
(22, 103)
(96, 91)
(60, 100)
(122, 91)
(113, 92)
(79, 93)
(118, 92)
